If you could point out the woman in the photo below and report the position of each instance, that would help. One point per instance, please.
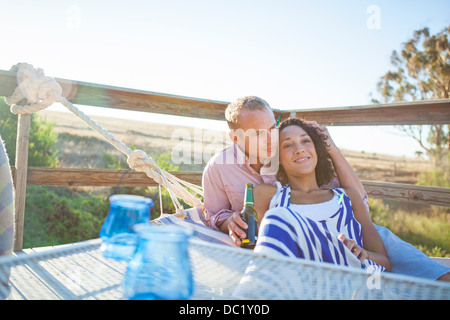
(305, 221)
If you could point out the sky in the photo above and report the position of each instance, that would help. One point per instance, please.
(294, 54)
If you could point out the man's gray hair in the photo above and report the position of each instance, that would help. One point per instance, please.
(233, 110)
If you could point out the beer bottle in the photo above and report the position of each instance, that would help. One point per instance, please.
(248, 214)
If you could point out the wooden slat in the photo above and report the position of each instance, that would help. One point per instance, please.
(72, 271)
(129, 99)
(26, 284)
(400, 113)
(99, 95)
(38, 176)
(20, 175)
(408, 193)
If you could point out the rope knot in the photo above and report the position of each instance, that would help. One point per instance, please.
(139, 160)
(34, 92)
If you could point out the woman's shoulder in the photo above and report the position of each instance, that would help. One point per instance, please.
(351, 193)
(265, 189)
(263, 194)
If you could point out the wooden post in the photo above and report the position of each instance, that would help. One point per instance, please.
(20, 188)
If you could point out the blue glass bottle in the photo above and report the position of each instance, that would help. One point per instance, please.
(117, 234)
(160, 268)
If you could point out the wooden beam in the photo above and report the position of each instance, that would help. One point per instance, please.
(66, 177)
(41, 176)
(407, 192)
(399, 113)
(99, 95)
(20, 178)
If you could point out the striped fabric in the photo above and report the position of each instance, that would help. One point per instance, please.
(287, 229)
(6, 204)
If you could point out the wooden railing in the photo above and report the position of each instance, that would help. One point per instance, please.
(419, 112)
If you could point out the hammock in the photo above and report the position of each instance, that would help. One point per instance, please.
(224, 271)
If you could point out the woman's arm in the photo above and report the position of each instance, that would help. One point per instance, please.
(373, 245)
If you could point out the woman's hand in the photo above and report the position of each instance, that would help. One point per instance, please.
(359, 252)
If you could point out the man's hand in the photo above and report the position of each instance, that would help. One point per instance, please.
(234, 224)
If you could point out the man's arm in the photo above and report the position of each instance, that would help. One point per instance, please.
(217, 205)
(345, 173)
(216, 202)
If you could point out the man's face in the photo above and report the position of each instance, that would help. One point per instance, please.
(257, 135)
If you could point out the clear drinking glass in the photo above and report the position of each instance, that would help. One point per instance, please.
(160, 268)
(118, 237)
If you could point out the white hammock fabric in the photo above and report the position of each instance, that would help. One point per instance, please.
(79, 271)
(221, 270)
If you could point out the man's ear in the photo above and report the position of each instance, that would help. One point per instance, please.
(233, 136)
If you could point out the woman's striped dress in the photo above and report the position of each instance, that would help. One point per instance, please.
(310, 231)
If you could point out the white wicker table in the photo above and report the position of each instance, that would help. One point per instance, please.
(79, 271)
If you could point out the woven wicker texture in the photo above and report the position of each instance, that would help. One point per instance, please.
(80, 271)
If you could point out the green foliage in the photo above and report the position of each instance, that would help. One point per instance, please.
(60, 215)
(439, 177)
(42, 150)
(164, 161)
(42, 145)
(435, 178)
(425, 227)
(112, 162)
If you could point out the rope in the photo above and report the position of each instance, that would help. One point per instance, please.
(35, 92)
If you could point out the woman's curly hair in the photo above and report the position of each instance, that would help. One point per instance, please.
(324, 169)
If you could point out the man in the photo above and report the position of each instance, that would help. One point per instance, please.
(252, 159)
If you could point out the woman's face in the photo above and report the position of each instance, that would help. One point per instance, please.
(297, 151)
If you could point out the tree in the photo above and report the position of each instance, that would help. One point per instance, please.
(421, 72)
